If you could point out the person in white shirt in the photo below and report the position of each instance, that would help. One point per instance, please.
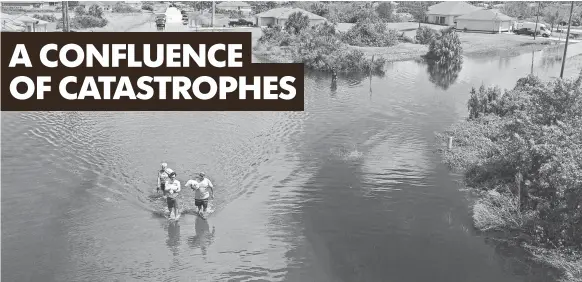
(204, 190)
(163, 175)
(172, 189)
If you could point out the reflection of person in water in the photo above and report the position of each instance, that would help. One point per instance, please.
(203, 237)
(173, 240)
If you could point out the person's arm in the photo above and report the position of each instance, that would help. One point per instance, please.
(211, 188)
(158, 177)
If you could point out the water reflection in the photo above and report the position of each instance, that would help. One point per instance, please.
(203, 238)
(173, 239)
(443, 74)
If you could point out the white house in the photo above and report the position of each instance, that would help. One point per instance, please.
(22, 23)
(279, 16)
(445, 13)
(485, 21)
(234, 6)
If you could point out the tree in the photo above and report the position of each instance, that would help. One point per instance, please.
(96, 11)
(418, 11)
(385, 11)
(80, 11)
(297, 22)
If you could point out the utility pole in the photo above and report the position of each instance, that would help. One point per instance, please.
(213, 15)
(537, 19)
(567, 37)
(64, 8)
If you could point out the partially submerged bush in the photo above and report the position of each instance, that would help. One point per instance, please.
(446, 48)
(297, 22)
(85, 22)
(371, 34)
(528, 141)
(425, 35)
(47, 18)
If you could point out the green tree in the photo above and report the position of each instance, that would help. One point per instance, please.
(385, 11)
(446, 48)
(297, 22)
(95, 11)
(418, 11)
(80, 11)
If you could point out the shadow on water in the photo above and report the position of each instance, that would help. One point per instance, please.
(203, 238)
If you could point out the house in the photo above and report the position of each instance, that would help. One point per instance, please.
(445, 13)
(485, 21)
(234, 6)
(22, 23)
(279, 16)
(24, 4)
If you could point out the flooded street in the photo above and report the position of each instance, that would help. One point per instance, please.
(348, 190)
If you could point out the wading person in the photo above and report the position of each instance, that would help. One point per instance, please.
(204, 190)
(172, 189)
(163, 175)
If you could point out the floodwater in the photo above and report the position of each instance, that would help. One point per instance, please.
(349, 190)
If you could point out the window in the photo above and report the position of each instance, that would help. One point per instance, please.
(441, 20)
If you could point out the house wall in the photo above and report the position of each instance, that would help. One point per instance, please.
(482, 25)
(449, 20)
(281, 22)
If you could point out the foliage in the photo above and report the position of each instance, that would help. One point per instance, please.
(518, 9)
(297, 22)
(147, 7)
(321, 48)
(95, 11)
(425, 35)
(385, 11)
(371, 34)
(446, 48)
(86, 21)
(124, 8)
(526, 143)
(259, 6)
(80, 11)
(48, 18)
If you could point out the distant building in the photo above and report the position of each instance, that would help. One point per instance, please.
(22, 23)
(279, 16)
(25, 4)
(445, 13)
(485, 21)
(235, 6)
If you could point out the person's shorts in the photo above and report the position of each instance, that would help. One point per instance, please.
(201, 202)
(172, 202)
(163, 187)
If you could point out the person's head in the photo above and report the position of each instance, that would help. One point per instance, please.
(172, 175)
(201, 175)
(164, 166)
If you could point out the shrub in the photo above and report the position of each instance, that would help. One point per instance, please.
(446, 48)
(425, 35)
(297, 22)
(271, 34)
(48, 18)
(85, 22)
(95, 11)
(123, 8)
(147, 7)
(80, 11)
(372, 34)
(527, 140)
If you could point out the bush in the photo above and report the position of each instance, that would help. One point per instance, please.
(80, 11)
(85, 22)
(526, 143)
(95, 11)
(123, 8)
(446, 48)
(425, 35)
(48, 18)
(147, 7)
(297, 22)
(371, 34)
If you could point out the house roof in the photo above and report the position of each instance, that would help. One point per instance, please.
(284, 13)
(485, 15)
(233, 4)
(20, 20)
(452, 8)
